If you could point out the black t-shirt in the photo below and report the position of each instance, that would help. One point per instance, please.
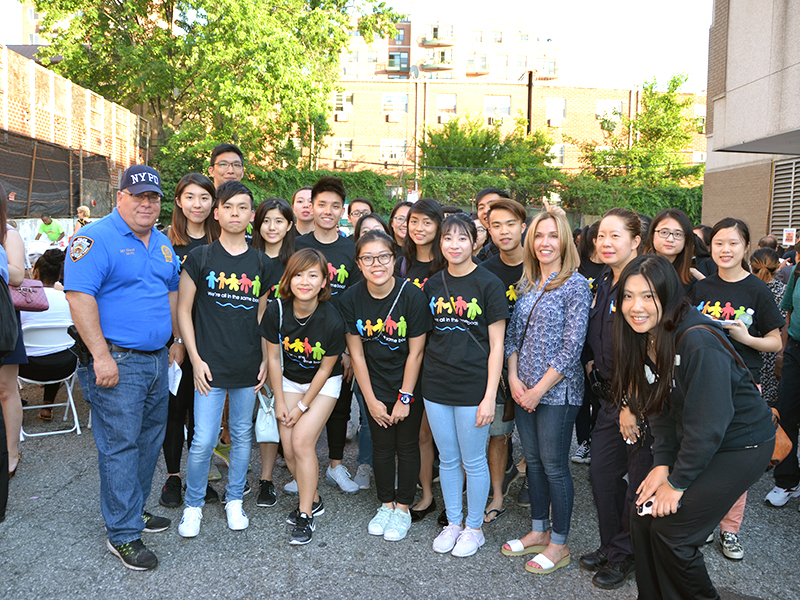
(341, 257)
(455, 369)
(183, 251)
(416, 271)
(722, 300)
(278, 267)
(591, 271)
(510, 276)
(385, 340)
(225, 312)
(304, 346)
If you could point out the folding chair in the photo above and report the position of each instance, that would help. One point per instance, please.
(38, 336)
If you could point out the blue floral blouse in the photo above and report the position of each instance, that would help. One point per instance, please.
(555, 338)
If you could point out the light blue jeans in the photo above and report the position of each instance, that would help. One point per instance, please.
(364, 434)
(207, 416)
(460, 442)
(128, 423)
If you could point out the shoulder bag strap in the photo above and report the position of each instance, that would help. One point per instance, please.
(728, 346)
(394, 304)
(450, 300)
(528, 322)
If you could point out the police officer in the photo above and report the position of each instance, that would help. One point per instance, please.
(121, 281)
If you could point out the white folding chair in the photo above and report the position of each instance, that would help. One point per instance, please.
(39, 336)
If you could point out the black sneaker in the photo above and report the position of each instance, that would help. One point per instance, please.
(211, 495)
(266, 494)
(301, 534)
(134, 555)
(154, 524)
(171, 492)
(317, 509)
(247, 490)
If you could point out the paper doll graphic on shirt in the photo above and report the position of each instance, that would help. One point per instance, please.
(233, 282)
(432, 305)
(286, 345)
(257, 286)
(460, 305)
(360, 327)
(306, 347)
(221, 280)
(442, 305)
(298, 346)
(332, 272)
(211, 278)
(378, 327)
(715, 311)
(417, 283)
(245, 283)
(511, 293)
(317, 352)
(390, 325)
(728, 311)
(402, 327)
(368, 327)
(343, 274)
(473, 310)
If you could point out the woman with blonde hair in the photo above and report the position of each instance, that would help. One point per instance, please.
(543, 347)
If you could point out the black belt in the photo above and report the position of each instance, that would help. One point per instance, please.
(115, 348)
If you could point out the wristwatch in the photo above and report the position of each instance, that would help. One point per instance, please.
(405, 398)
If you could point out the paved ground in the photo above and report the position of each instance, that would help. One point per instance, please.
(52, 544)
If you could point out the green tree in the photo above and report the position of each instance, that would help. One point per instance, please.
(257, 72)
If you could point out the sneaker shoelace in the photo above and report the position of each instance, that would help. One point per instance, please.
(469, 535)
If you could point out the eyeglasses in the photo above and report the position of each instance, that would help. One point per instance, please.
(224, 165)
(400, 219)
(481, 229)
(368, 259)
(359, 213)
(139, 198)
(665, 233)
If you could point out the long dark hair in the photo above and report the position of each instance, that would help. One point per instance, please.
(586, 246)
(433, 210)
(741, 228)
(177, 232)
(683, 261)
(375, 217)
(764, 263)
(50, 266)
(287, 244)
(397, 207)
(630, 348)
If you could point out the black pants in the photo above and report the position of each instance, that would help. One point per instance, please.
(180, 413)
(401, 440)
(611, 459)
(787, 474)
(587, 415)
(58, 365)
(669, 563)
(336, 427)
(3, 469)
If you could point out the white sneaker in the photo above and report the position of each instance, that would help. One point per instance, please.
(780, 496)
(340, 477)
(583, 454)
(291, 487)
(362, 477)
(398, 526)
(445, 541)
(378, 523)
(468, 542)
(237, 520)
(190, 522)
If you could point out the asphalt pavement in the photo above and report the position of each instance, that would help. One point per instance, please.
(52, 543)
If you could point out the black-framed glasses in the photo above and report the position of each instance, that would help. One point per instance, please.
(399, 219)
(665, 233)
(359, 213)
(368, 259)
(138, 198)
(222, 164)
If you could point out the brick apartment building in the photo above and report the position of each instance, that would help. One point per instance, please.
(436, 69)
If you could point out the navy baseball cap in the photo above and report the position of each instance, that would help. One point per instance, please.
(138, 179)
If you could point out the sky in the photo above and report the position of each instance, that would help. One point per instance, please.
(603, 43)
(610, 43)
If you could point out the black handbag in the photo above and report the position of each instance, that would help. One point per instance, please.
(9, 328)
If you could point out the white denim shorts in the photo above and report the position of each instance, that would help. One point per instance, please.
(332, 387)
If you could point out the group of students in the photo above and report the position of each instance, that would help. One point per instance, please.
(442, 346)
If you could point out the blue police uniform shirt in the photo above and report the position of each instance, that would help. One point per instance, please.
(3, 264)
(130, 282)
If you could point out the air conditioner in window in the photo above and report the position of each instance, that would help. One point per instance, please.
(393, 117)
(495, 120)
(341, 164)
(342, 117)
(557, 122)
(446, 117)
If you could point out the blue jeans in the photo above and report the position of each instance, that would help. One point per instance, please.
(207, 416)
(460, 442)
(128, 423)
(364, 434)
(546, 434)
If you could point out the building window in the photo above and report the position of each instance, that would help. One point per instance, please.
(610, 110)
(393, 149)
(343, 102)
(394, 102)
(397, 61)
(477, 36)
(439, 57)
(502, 61)
(549, 67)
(390, 76)
(446, 103)
(497, 37)
(33, 39)
(555, 108)
(440, 32)
(476, 63)
(522, 62)
(521, 37)
(32, 14)
(354, 33)
(559, 154)
(372, 57)
(343, 149)
(497, 106)
(352, 57)
(698, 157)
(400, 35)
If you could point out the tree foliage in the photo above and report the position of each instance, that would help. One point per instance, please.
(257, 72)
